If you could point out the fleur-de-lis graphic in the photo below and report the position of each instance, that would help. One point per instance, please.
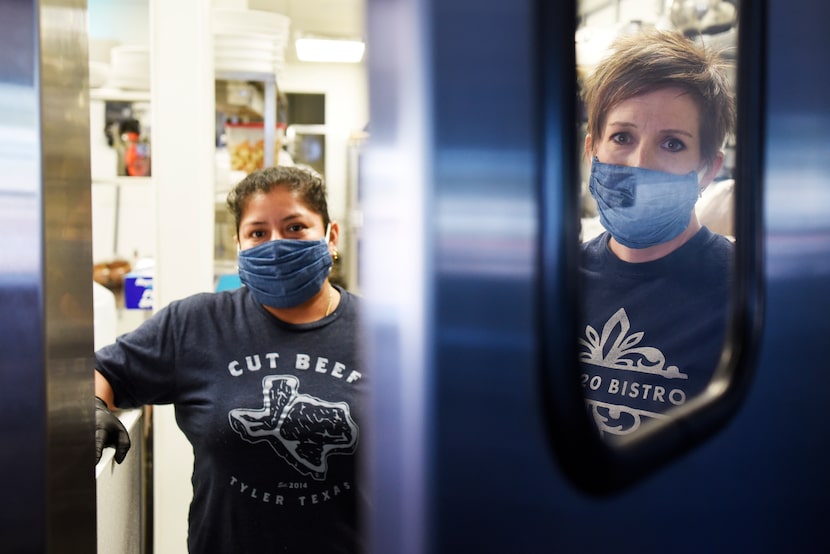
(623, 353)
(619, 420)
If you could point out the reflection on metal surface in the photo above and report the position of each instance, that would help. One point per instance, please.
(45, 284)
(394, 197)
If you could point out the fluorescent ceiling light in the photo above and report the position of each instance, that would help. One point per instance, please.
(329, 50)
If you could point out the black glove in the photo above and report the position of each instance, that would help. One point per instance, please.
(109, 431)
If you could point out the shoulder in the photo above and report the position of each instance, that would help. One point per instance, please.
(712, 246)
(717, 240)
(594, 251)
(226, 301)
(348, 295)
(705, 260)
(350, 303)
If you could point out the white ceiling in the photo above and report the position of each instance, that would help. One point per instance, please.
(331, 18)
(324, 18)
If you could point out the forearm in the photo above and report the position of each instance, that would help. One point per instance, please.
(103, 390)
(109, 431)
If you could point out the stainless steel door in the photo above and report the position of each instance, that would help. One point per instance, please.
(46, 333)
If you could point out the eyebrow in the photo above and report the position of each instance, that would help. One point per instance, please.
(292, 217)
(626, 124)
(287, 219)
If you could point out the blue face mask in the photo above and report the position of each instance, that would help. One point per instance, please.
(286, 272)
(642, 207)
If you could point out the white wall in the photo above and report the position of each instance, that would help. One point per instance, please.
(347, 111)
(126, 21)
(647, 11)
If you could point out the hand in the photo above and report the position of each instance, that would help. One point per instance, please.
(109, 431)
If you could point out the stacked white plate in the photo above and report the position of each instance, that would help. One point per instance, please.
(249, 40)
(98, 73)
(129, 67)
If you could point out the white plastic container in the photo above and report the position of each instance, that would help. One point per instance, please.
(246, 145)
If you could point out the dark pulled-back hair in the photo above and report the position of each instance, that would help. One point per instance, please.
(305, 182)
(650, 60)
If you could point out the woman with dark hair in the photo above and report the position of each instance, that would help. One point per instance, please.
(267, 381)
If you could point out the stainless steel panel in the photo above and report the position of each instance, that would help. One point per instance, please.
(46, 333)
(394, 193)
(449, 187)
(22, 379)
(68, 273)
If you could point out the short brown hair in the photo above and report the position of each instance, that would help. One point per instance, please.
(650, 60)
(307, 183)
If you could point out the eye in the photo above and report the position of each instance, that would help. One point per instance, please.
(622, 139)
(674, 145)
(296, 228)
(257, 234)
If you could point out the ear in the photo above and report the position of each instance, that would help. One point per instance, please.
(588, 145)
(710, 174)
(334, 236)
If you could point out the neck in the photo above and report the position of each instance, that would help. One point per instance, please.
(314, 309)
(640, 255)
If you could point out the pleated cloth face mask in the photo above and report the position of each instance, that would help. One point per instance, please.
(286, 272)
(642, 207)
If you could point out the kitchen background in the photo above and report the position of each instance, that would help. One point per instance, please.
(322, 112)
(174, 89)
(178, 93)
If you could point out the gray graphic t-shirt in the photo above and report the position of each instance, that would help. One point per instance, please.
(652, 332)
(273, 412)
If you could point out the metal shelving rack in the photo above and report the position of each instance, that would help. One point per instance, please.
(269, 80)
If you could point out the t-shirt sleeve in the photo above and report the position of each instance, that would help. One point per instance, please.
(140, 365)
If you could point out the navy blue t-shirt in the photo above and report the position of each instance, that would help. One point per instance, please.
(273, 412)
(652, 332)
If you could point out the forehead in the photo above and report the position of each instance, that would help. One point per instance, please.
(278, 203)
(670, 106)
